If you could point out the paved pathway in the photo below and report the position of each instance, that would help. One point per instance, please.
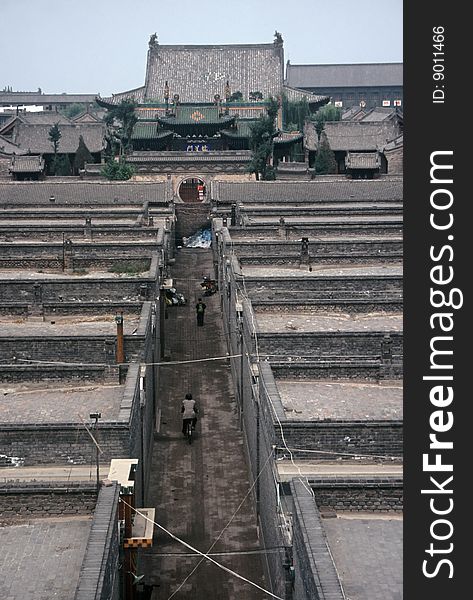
(197, 489)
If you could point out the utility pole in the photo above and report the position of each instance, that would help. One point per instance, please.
(120, 354)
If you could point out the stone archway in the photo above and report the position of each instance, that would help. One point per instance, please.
(192, 189)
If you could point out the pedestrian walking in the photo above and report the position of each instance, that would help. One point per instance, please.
(200, 311)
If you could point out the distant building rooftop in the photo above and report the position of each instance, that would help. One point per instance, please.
(344, 75)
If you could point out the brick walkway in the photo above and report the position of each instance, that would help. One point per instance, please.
(197, 489)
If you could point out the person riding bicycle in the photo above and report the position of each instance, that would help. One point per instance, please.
(189, 412)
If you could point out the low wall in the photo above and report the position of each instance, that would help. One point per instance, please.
(329, 344)
(23, 501)
(315, 575)
(368, 370)
(100, 568)
(358, 494)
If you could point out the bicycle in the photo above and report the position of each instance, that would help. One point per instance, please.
(189, 431)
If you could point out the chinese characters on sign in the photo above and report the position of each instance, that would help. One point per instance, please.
(197, 148)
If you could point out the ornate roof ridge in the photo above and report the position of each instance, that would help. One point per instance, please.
(211, 46)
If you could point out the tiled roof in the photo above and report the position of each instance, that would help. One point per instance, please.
(352, 135)
(35, 138)
(243, 129)
(380, 113)
(137, 94)
(45, 117)
(362, 160)
(285, 137)
(146, 130)
(197, 73)
(84, 192)
(39, 99)
(294, 94)
(27, 164)
(353, 114)
(8, 147)
(86, 117)
(397, 142)
(348, 75)
(323, 189)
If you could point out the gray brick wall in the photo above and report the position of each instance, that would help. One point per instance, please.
(358, 494)
(22, 501)
(315, 577)
(99, 574)
(367, 437)
(329, 344)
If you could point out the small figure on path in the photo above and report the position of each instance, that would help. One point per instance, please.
(200, 311)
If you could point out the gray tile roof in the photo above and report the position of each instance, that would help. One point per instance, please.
(380, 113)
(83, 192)
(294, 94)
(40, 99)
(397, 142)
(353, 113)
(35, 138)
(352, 135)
(7, 147)
(45, 117)
(27, 164)
(197, 73)
(319, 189)
(136, 94)
(347, 75)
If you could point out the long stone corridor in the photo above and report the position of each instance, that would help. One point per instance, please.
(197, 490)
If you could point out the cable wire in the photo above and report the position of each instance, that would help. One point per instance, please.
(198, 552)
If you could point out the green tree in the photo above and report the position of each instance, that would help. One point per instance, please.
(263, 132)
(63, 165)
(295, 112)
(117, 170)
(319, 125)
(82, 155)
(329, 112)
(236, 97)
(73, 110)
(54, 135)
(325, 162)
(121, 120)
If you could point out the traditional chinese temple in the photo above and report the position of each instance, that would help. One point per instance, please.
(203, 100)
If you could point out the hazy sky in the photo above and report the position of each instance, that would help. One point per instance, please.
(100, 46)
